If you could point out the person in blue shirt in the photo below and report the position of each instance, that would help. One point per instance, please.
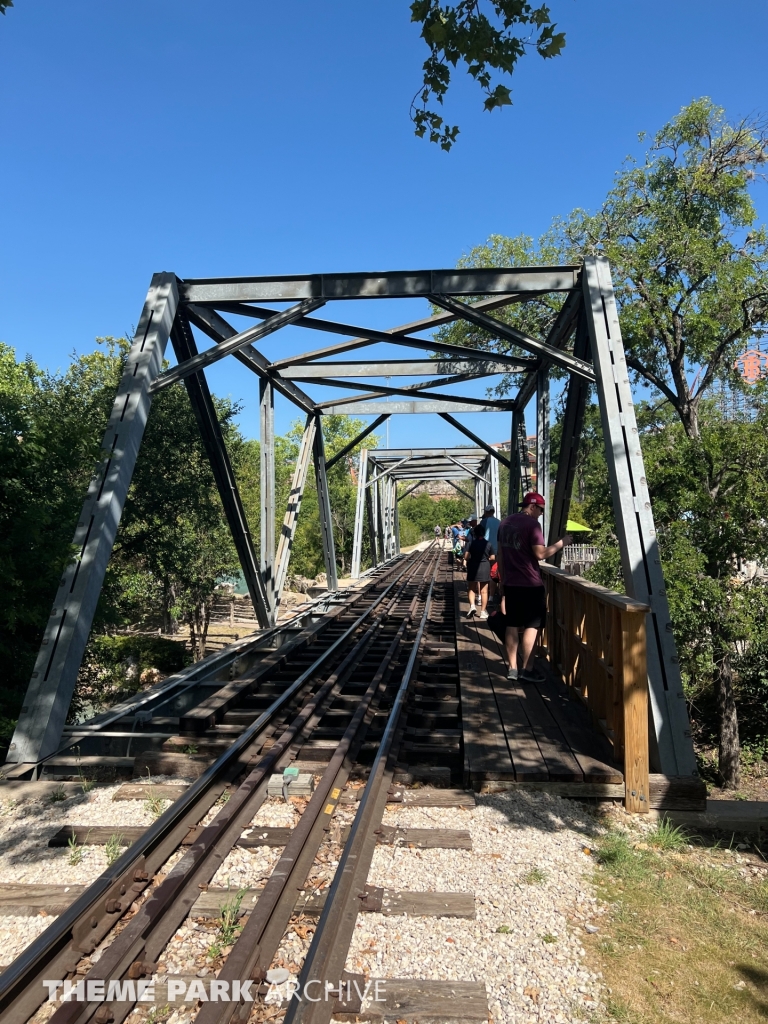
(491, 527)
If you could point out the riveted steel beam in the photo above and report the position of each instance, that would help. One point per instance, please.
(234, 344)
(353, 444)
(217, 328)
(46, 704)
(502, 330)
(396, 284)
(477, 440)
(213, 442)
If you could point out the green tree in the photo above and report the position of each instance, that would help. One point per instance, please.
(48, 448)
(689, 261)
(488, 38)
(173, 528)
(420, 513)
(709, 496)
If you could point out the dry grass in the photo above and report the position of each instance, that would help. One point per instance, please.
(686, 938)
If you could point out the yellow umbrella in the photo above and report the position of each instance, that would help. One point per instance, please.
(572, 527)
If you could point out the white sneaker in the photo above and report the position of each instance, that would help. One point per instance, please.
(483, 615)
(471, 612)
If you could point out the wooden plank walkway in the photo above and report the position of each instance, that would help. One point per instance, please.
(524, 734)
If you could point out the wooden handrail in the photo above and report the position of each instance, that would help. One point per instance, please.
(603, 593)
(596, 641)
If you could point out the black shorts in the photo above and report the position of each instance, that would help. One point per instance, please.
(526, 607)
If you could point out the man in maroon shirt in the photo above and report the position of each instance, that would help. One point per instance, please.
(521, 547)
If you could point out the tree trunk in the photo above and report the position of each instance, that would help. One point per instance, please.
(729, 747)
(689, 416)
(203, 623)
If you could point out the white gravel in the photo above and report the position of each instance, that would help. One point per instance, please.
(527, 870)
(525, 943)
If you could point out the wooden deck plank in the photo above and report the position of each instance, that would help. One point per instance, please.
(486, 753)
(527, 761)
(559, 760)
(422, 838)
(428, 1002)
(589, 747)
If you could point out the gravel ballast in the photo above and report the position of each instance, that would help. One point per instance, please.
(530, 879)
(528, 872)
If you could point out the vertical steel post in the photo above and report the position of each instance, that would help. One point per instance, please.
(495, 495)
(370, 506)
(324, 507)
(213, 441)
(49, 693)
(378, 505)
(515, 468)
(542, 442)
(396, 514)
(267, 489)
(643, 576)
(392, 501)
(298, 484)
(573, 421)
(357, 540)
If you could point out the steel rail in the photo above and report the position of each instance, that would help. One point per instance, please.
(171, 689)
(172, 901)
(53, 951)
(254, 950)
(147, 934)
(343, 888)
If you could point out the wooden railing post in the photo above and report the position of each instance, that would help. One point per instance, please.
(634, 677)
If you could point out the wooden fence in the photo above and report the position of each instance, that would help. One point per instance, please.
(595, 639)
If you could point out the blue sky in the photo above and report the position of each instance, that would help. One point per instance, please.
(249, 138)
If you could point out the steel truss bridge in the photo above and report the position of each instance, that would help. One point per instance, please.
(584, 342)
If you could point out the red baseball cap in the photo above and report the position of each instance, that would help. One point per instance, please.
(532, 498)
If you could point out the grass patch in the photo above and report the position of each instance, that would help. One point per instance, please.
(229, 925)
(668, 837)
(58, 795)
(154, 805)
(113, 847)
(534, 877)
(686, 938)
(230, 912)
(75, 851)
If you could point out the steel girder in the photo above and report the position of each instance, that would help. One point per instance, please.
(213, 441)
(643, 575)
(470, 294)
(46, 704)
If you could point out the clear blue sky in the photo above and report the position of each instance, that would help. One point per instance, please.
(249, 138)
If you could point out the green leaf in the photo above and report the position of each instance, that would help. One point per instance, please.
(500, 97)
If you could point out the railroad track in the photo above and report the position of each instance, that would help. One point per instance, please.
(369, 693)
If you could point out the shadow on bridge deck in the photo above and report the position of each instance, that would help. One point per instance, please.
(525, 734)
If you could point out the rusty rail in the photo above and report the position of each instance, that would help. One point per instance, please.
(596, 641)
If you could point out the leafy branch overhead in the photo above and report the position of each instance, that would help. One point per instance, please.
(486, 43)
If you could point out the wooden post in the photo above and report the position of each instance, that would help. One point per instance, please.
(635, 690)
